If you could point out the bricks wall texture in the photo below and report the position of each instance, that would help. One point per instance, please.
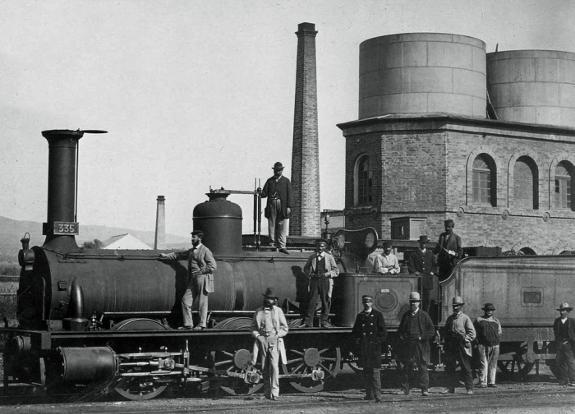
(422, 168)
(305, 219)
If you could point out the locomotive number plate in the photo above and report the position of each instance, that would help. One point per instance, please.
(62, 228)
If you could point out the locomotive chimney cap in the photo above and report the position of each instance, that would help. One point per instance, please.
(77, 133)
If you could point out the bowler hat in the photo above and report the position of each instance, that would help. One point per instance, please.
(278, 166)
(414, 297)
(198, 233)
(269, 293)
(423, 239)
(564, 306)
(488, 306)
(457, 301)
(366, 298)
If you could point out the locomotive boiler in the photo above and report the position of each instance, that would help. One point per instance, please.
(102, 319)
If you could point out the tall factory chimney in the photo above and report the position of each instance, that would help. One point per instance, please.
(160, 234)
(305, 218)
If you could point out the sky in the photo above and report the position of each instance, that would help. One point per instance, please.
(200, 94)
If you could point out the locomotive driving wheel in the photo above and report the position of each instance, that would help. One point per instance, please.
(520, 364)
(309, 367)
(144, 387)
(234, 372)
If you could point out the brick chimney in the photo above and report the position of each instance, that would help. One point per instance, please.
(160, 234)
(305, 218)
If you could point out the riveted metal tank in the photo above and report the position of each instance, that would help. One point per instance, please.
(418, 73)
(221, 222)
(533, 86)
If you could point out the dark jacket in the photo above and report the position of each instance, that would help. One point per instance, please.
(423, 263)
(413, 345)
(570, 329)
(369, 331)
(445, 261)
(280, 189)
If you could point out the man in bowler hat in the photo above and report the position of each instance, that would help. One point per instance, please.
(422, 264)
(369, 333)
(564, 329)
(489, 332)
(415, 331)
(277, 190)
(269, 327)
(459, 334)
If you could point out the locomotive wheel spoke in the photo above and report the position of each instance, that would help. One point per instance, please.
(234, 384)
(327, 360)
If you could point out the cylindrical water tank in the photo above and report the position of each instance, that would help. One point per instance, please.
(417, 73)
(534, 86)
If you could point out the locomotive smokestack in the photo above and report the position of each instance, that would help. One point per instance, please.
(61, 226)
(160, 235)
(305, 218)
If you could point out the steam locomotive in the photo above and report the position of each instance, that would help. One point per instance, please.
(98, 319)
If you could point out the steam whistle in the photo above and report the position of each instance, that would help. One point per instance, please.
(26, 256)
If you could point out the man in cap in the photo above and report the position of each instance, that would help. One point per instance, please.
(269, 326)
(386, 263)
(277, 189)
(564, 329)
(369, 333)
(489, 331)
(320, 268)
(422, 264)
(459, 334)
(415, 331)
(201, 268)
(448, 250)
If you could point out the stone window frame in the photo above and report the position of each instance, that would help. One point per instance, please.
(486, 152)
(563, 157)
(535, 163)
(492, 184)
(356, 200)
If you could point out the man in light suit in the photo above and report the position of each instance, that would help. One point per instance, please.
(320, 268)
(448, 250)
(269, 326)
(201, 268)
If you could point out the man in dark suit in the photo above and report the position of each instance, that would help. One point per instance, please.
(564, 329)
(277, 190)
(415, 331)
(201, 268)
(369, 333)
(448, 250)
(422, 264)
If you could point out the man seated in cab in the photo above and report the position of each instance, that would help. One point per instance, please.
(386, 263)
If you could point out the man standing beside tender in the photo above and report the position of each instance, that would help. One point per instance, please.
(489, 332)
(459, 334)
(277, 189)
(415, 331)
(422, 264)
(564, 329)
(320, 268)
(269, 326)
(201, 268)
(369, 333)
(448, 250)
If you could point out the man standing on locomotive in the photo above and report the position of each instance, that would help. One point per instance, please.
(564, 329)
(459, 334)
(422, 264)
(277, 189)
(448, 250)
(201, 268)
(415, 331)
(320, 268)
(489, 332)
(369, 333)
(386, 263)
(269, 326)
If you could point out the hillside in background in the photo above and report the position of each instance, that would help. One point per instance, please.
(11, 231)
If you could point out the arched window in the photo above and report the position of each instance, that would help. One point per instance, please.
(564, 185)
(484, 180)
(525, 183)
(362, 182)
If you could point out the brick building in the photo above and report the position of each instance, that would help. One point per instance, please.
(423, 148)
